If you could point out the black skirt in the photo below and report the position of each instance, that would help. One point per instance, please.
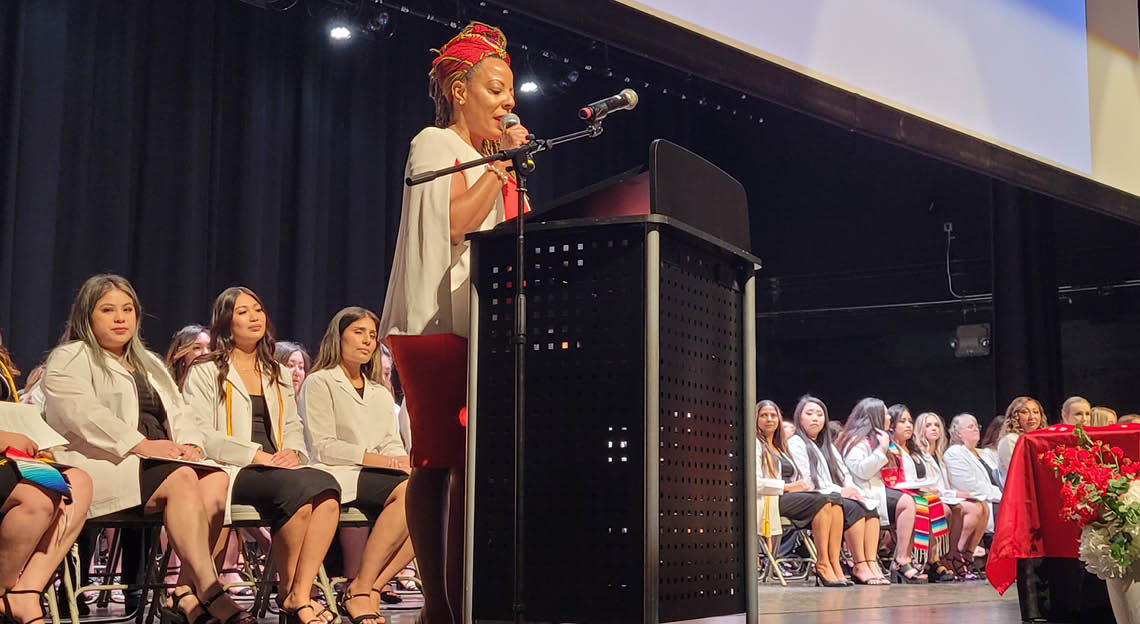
(893, 498)
(801, 507)
(277, 493)
(854, 511)
(374, 486)
(152, 473)
(9, 477)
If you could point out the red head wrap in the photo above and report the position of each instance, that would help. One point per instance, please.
(474, 43)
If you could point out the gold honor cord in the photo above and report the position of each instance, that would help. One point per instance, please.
(11, 382)
(230, 411)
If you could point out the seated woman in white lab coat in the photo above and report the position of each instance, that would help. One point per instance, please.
(966, 471)
(864, 447)
(968, 515)
(819, 463)
(246, 407)
(1024, 414)
(350, 423)
(121, 413)
(783, 492)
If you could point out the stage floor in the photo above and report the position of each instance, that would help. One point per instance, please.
(973, 602)
(799, 603)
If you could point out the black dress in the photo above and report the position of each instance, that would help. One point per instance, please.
(153, 426)
(800, 507)
(277, 493)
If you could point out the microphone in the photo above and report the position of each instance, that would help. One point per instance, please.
(626, 100)
(509, 120)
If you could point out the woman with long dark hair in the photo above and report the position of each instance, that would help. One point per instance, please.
(817, 459)
(864, 446)
(185, 346)
(245, 400)
(790, 497)
(936, 522)
(427, 306)
(350, 424)
(122, 415)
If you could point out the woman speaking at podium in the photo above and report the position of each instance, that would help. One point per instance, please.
(426, 310)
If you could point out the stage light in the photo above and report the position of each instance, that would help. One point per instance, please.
(340, 32)
(378, 22)
(528, 87)
(572, 76)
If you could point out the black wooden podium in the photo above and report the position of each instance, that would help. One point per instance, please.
(640, 388)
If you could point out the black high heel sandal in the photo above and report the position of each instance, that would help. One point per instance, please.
(171, 614)
(387, 596)
(819, 580)
(899, 574)
(938, 573)
(7, 618)
(342, 604)
(874, 580)
(241, 616)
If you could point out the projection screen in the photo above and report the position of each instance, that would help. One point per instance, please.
(1047, 79)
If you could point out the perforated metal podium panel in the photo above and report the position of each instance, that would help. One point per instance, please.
(636, 426)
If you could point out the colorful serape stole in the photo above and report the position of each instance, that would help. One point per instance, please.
(38, 471)
(931, 531)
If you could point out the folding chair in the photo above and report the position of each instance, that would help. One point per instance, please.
(801, 566)
(246, 516)
(157, 559)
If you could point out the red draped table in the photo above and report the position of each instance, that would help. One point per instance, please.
(1029, 524)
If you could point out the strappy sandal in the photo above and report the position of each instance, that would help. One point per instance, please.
(7, 618)
(387, 596)
(292, 616)
(241, 616)
(342, 604)
(322, 611)
(174, 615)
(964, 567)
(874, 580)
(901, 573)
(938, 573)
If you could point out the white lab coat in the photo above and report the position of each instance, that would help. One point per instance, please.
(799, 450)
(968, 474)
(340, 426)
(209, 405)
(864, 464)
(97, 410)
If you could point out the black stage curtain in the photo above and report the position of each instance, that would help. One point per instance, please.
(195, 145)
(1027, 334)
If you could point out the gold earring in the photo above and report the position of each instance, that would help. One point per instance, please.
(462, 102)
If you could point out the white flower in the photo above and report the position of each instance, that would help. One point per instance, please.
(1133, 493)
(1096, 551)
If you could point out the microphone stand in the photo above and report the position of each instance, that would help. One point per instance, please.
(523, 165)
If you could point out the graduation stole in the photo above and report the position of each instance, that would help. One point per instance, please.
(38, 471)
(931, 531)
(765, 522)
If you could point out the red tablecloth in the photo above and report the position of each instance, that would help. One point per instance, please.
(1029, 524)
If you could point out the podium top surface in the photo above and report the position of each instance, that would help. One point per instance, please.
(510, 228)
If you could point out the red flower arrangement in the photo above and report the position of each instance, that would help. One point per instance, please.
(1100, 490)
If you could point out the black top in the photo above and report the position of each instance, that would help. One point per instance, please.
(360, 391)
(262, 432)
(152, 415)
(919, 467)
(6, 393)
(787, 468)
